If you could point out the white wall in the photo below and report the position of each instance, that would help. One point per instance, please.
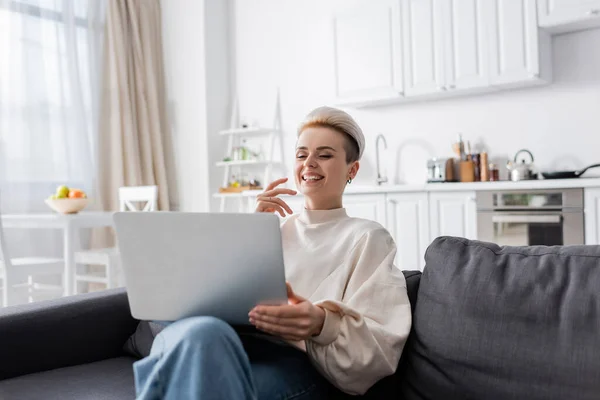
(218, 89)
(185, 70)
(288, 43)
(196, 50)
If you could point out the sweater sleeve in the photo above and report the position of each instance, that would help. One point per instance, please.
(364, 333)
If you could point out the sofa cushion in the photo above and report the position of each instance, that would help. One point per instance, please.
(389, 387)
(505, 323)
(107, 379)
(140, 342)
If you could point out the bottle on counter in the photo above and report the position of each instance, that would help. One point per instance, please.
(494, 173)
(476, 158)
(484, 173)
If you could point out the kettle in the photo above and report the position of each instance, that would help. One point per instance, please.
(521, 171)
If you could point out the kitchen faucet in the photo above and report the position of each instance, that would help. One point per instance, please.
(380, 179)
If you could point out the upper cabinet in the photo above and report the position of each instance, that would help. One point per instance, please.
(444, 46)
(568, 15)
(403, 50)
(423, 47)
(368, 51)
(466, 48)
(519, 53)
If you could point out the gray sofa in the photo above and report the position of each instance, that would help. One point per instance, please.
(489, 323)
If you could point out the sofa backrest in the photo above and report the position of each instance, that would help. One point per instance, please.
(505, 323)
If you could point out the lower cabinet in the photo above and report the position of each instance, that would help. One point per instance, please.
(408, 223)
(367, 206)
(453, 214)
(592, 215)
(296, 203)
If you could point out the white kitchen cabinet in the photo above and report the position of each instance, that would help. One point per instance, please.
(445, 45)
(453, 214)
(296, 203)
(368, 51)
(519, 52)
(423, 46)
(568, 15)
(406, 50)
(367, 206)
(408, 223)
(466, 50)
(592, 215)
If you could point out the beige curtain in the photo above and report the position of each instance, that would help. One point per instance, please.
(134, 135)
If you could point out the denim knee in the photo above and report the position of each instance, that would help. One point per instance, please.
(205, 331)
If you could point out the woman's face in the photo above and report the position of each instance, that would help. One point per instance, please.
(321, 171)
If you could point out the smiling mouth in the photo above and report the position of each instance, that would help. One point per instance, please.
(311, 178)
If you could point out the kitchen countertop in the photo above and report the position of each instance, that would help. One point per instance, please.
(464, 186)
(458, 186)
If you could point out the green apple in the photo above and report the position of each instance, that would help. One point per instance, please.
(53, 197)
(62, 192)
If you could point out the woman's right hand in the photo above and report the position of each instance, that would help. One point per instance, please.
(268, 201)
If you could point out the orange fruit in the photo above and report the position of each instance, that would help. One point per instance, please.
(76, 194)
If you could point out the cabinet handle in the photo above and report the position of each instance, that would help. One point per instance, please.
(452, 86)
(442, 88)
(593, 12)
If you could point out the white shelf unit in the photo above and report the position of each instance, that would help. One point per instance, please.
(246, 131)
(241, 163)
(235, 136)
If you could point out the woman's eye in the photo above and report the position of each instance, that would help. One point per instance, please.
(326, 156)
(300, 156)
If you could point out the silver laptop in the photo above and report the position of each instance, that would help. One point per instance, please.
(178, 264)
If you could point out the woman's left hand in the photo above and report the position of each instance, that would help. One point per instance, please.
(297, 320)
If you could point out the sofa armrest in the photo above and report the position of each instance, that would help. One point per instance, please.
(64, 332)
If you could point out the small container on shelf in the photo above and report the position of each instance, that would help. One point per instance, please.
(240, 185)
(238, 189)
(494, 173)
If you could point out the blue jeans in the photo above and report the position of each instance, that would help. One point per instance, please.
(204, 358)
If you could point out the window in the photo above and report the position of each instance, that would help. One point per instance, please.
(48, 70)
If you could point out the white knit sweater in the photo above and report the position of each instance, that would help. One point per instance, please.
(346, 266)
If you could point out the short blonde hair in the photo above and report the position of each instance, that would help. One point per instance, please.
(340, 121)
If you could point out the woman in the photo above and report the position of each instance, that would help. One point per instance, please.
(348, 314)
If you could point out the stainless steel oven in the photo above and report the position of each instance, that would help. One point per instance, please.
(531, 217)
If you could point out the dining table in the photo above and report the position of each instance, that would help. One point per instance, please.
(71, 225)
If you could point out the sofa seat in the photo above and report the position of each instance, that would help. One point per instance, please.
(112, 378)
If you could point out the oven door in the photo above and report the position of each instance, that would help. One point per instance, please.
(530, 228)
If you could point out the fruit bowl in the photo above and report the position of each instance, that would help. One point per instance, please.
(67, 206)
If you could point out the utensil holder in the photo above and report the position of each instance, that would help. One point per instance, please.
(467, 171)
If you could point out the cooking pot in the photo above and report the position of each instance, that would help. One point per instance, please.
(520, 171)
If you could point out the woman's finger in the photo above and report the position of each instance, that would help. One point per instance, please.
(286, 337)
(293, 322)
(276, 183)
(270, 206)
(276, 192)
(280, 330)
(279, 201)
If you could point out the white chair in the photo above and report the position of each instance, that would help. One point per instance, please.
(109, 258)
(17, 276)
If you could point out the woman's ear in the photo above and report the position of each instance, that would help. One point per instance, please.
(353, 169)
